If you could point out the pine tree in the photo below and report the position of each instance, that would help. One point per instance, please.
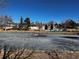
(27, 23)
(21, 23)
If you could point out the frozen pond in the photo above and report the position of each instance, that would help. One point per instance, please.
(39, 41)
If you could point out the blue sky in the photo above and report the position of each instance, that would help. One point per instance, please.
(42, 10)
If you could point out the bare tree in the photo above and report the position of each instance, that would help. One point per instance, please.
(3, 3)
(70, 23)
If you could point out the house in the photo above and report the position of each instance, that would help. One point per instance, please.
(42, 27)
(34, 27)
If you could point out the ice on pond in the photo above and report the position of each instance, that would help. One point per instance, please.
(39, 41)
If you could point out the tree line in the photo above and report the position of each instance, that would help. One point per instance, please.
(25, 24)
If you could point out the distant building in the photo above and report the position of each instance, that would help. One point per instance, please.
(34, 27)
(43, 27)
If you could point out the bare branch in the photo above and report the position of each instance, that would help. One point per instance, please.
(3, 3)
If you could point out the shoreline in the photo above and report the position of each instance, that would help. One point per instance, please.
(45, 32)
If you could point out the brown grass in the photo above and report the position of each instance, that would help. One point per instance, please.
(37, 54)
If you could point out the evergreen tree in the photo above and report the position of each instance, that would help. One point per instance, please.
(51, 26)
(46, 27)
(27, 23)
(21, 23)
